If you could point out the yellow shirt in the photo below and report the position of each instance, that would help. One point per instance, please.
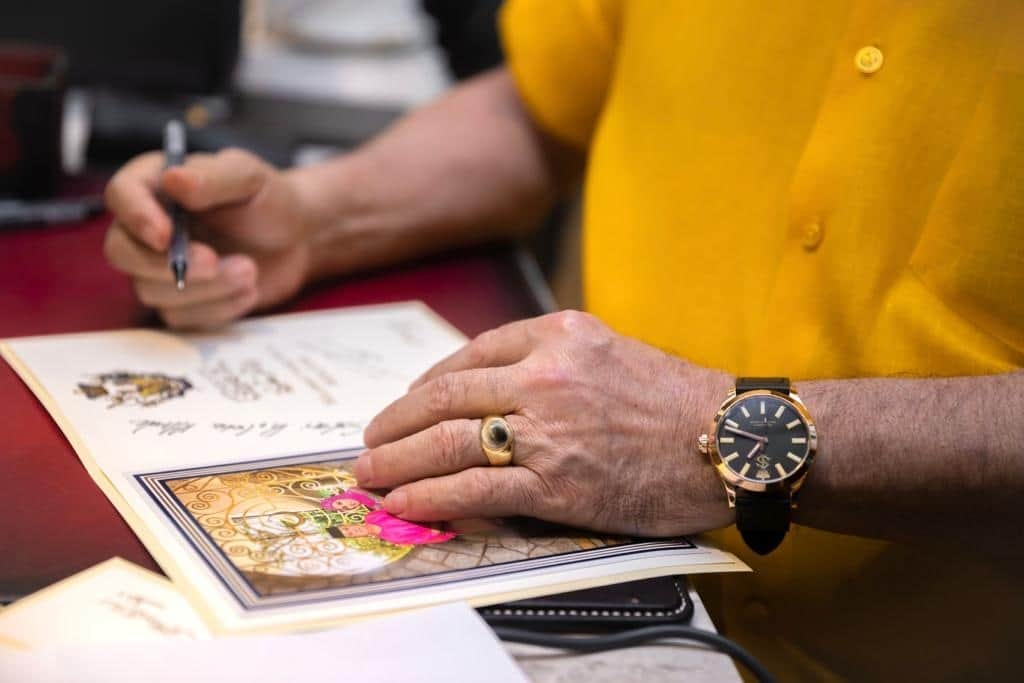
(814, 188)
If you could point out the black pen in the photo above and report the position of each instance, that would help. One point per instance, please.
(174, 155)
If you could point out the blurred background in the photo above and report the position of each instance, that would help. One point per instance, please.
(84, 86)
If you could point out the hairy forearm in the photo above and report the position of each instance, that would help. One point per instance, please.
(468, 168)
(922, 460)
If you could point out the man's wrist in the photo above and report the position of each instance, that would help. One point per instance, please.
(819, 398)
(711, 389)
(328, 202)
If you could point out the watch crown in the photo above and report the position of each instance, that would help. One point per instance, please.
(702, 443)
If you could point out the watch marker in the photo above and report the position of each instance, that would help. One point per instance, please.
(779, 412)
(799, 439)
(746, 468)
(746, 413)
(780, 469)
(794, 423)
(733, 424)
(727, 439)
(794, 457)
(730, 457)
(762, 407)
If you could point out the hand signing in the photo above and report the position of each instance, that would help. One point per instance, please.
(249, 228)
(604, 428)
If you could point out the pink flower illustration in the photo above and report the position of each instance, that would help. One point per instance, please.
(392, 529)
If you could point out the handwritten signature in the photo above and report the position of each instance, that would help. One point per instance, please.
(134, 606)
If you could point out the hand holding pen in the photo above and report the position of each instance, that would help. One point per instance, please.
(248, 241)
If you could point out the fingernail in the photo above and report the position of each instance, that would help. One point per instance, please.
(395, 502)
(363, 470)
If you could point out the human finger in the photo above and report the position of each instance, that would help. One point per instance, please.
(469, 393)
(445, 448)
(131, 197)
(235, 273)
(132, 257)
(476, 492)
(503, 345)
(211, 314)
(205, 181)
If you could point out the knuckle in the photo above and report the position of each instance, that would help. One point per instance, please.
(575, 322)
(249, 168)
(441, 394)
(447, 446)
(550, 374)
(480, 485)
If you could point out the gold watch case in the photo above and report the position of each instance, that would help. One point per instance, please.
(708, 444)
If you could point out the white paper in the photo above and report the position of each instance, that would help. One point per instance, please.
(443, 644)
(115, 601)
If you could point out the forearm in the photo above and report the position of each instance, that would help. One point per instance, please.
(918, 459)
(468, 168)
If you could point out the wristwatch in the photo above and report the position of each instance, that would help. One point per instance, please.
(762, 443)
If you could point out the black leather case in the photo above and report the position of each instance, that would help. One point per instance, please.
(662, 600)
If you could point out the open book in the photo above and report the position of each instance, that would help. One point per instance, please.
(230, 455)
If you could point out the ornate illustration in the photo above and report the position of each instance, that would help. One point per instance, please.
(291, 529)
(144, 389)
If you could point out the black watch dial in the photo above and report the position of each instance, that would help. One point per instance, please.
(763, 439)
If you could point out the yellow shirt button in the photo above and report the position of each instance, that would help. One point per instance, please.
(869, 59)
(813, 234)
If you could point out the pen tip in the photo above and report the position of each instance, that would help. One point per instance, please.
(178, 268)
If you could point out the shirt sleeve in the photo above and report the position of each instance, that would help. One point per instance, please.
(561, 55)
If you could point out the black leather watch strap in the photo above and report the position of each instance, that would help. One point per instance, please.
(764, 383)
(762, 519)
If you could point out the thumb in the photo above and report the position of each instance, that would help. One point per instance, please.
(206, 181)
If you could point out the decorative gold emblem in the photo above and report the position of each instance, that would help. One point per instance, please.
(144, 389)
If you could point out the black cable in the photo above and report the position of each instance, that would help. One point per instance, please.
(638, 636)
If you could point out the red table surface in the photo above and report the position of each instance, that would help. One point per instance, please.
(55, 520)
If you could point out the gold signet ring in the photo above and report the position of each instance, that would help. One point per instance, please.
(497, 440)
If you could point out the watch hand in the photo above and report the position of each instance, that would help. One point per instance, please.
(753, 450)
(755, 437)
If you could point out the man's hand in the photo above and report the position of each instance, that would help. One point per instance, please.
(605, 429)
(249, 246)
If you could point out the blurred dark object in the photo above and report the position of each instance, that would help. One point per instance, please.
(32, 80)
(125, 124)
(179, 46)
(468, 33)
